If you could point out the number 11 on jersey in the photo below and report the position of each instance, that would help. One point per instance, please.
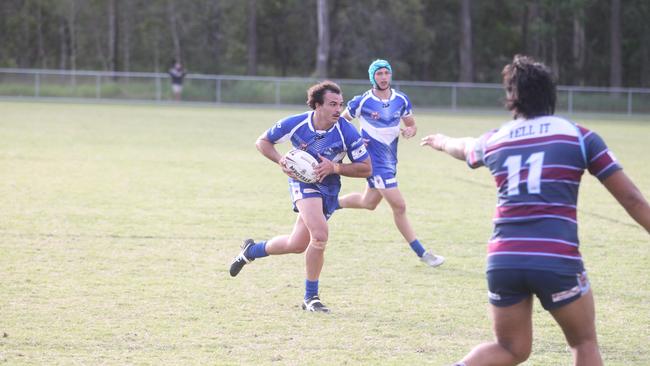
(535, 162)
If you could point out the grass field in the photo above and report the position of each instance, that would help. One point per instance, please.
(118, 223)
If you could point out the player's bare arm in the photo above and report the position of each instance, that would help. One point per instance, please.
(456, 147)
(267, 148)
(326, 167)
(629, 196)
(410, 129)
(347, 115)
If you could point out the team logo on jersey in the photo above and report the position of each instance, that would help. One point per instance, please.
(328, 152)
(358, 152)
(374, 115)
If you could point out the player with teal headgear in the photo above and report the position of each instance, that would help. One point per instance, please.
(376, 65)
(381, 112)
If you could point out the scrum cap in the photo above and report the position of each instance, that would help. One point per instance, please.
(376, 65)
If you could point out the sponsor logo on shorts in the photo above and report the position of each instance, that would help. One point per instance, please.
(583, 282)
(309, 190)
(563, 295)
(378, 182)
(493, 296)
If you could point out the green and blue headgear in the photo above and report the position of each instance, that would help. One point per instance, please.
(376, 65)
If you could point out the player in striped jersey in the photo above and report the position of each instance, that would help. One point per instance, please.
(537, 161)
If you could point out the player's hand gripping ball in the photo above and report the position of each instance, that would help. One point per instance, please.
(302, 165)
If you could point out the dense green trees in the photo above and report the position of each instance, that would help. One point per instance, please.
(441, 40)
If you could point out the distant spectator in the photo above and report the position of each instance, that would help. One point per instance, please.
(177, 73)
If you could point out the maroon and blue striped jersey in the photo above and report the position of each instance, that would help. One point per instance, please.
(537, 165)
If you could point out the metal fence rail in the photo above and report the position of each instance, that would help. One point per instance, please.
(147, 86)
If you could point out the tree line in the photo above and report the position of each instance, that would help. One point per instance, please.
(586, 42)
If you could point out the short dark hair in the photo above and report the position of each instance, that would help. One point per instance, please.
(530, 88)
(315, 94)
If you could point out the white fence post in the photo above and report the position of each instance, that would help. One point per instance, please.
(629, 103)
(218, 91)
(37, 85)
(454, 97)
(158, 89)
(98, 86)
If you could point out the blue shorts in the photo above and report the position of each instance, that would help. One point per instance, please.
(299, 190)
(382, 181)
(510, 286)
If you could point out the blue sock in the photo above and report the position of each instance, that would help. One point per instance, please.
(257, 251)
(311, 288)
(417, 247)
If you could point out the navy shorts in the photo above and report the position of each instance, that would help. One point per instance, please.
(510, 286)
(300, 190)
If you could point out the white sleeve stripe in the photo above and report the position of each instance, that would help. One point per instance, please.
(598, 155)
(338, 128)
(290, 133)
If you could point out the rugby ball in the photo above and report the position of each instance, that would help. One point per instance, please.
(302, 165)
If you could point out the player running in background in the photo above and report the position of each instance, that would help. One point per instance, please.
(328, 137)
(537, 161)
(380, 111)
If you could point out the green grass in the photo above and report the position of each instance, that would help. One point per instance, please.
(118, 223)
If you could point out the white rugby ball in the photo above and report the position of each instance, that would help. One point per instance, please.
(302, 164)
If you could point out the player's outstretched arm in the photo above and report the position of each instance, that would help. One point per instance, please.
(629, 196)
(456, 147)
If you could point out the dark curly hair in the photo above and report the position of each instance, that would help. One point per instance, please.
(315, 94)
(530, 88)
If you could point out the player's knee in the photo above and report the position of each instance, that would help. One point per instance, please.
(298, 248)
(585, 345)
(399, 208)
(371, 205)
(318, 244)
(519, 352)
(521, 356)
(319, 234)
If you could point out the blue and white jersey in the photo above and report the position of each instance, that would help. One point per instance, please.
(334, 144)
(380, 124)
(537, 166)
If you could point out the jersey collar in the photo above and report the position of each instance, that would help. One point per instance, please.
(313, 128)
